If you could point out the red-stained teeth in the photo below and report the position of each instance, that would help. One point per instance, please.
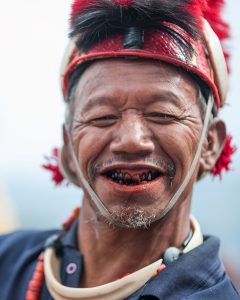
(126, 177)
(134, 179)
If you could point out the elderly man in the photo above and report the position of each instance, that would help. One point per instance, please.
(143, 82)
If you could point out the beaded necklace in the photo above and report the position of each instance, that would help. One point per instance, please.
(36, 283)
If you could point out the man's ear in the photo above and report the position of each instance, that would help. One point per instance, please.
(213, 146)
(67, 163)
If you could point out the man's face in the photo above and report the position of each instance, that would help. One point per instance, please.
(135, 129)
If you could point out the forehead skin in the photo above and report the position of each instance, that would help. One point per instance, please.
(111, 81)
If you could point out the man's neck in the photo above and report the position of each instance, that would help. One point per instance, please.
(110, 253)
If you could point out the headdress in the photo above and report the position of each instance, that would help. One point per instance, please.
(186, 33)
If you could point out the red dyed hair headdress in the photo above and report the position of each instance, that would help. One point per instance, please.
(186, 33)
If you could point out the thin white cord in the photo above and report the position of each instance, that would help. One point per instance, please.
(174, 199)
(101, 207)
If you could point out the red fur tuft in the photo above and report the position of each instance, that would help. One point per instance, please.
(197, 12)
(53, 167)
(123, 3)
(225, 158)
(79, 6)
(196, 8)
(203, 4)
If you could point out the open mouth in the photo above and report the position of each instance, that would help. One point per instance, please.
(132, 177)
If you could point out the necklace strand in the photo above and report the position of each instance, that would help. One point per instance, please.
(36, 283)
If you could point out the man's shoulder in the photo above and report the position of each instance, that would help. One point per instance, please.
(19, 252)
(19, 242)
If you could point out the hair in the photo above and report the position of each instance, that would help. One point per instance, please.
(102, 19)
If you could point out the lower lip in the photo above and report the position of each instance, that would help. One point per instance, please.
(132, 188)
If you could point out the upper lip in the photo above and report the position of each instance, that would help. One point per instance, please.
(131, 166)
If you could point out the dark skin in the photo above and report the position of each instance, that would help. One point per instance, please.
(129, 115)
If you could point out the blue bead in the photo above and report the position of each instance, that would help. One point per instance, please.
(170, 255)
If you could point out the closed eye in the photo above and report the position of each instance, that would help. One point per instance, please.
(160, 117)
(103, 121)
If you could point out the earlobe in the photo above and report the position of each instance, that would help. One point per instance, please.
(213, 146)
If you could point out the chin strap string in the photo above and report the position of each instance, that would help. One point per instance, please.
(94, 197)
(97, 201)
(194, 164)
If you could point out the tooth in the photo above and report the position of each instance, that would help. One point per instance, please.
(120, 182)
(113, 176)
(149, 176)
(121, 175)
(136, 178)
(127, 176)
(144, 176)
(116, 174)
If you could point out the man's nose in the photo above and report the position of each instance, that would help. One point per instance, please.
(133, 136)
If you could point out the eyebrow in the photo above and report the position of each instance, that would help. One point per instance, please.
(164, 96)
(167, 96)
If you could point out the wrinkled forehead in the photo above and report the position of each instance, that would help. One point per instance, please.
(111, 78)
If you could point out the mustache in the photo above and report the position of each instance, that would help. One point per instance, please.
(166, 164)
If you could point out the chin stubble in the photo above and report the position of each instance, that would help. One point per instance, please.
(135, 218)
